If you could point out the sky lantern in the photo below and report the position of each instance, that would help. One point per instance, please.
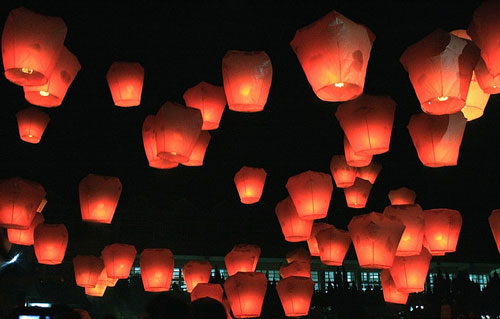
(295, 294)
(410, 272)
(299, 254)
(441, 230)
(311, 193)
(24, 236)
(41, 206)
(312, 243)
(177, 129)
(391, 293)
(242, 258)
(51, 94)
(353, 159)
(247, 79)
(245, 292)
(367, 123)
(198, 154)
(293, 227)
(97, 291)
(375, 237)
(437, 138)
(105, 280)
(118, 259)
(99, 197)
(125, 81)
(204, 290)
(440, 68)
(157, 268)
(87, 270)
(343, 174)
(413, 218)
(296, 268)
(31, 123)
(357, 195)
(195, 272)
(334, 53)
(494, 221)
(333, 245)
(210, 100)
(31, 44)
(250, 183)
(370, 172)
(149, 141)
(402, 196)
(50, 242)
(19, 199)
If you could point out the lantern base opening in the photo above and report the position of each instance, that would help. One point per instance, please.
(50, 262)
(312, 216)
(249, 200)
(25, 77)
(173, 157)
(442, 105)
(472, 112)
(36, 98)
(356, 205)
(411, 290)
(248, 108)
(97, 221)
(30, 138)
(440, 164)
(375, 266)
(339, 92)
(156, 289)
(344, 185)
(208, 126)
(296, 239)
(127, 103)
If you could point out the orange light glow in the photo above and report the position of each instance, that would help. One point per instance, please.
(87, 270)
(299, 254)
(50, 242)
(210, 100)
(157, 268)
(296, 268)
(118, 259)
(293, 227)
(402, 196)
(312, 243)
(357, 195)
(125, 81)
(250, 184)
(198, 154)
(413, 218)
(97, 291)
(333, 244)
(295, 294)
(343, 174)
(24, 236)
(196, 272)
(370, 172)
(245, 292)
(353, 159)
(32, 123)
(494, 221)
(441, 230)
(409, 273)
(242, 258)
(99, 197)
(391, 293)
(203, 290)
(149, 141)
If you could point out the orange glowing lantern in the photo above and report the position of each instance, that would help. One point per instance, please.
(157, 268)
(299, 254)
(19, 199)
(296, 268)
(402, 196)
(210, 100)
(245, 292)
(312, 243)
(343, 174)
(370, 172)
(242, 258)
(353, 159)
(50, 242)
(333, 245)
(295, 294)
(442, 229)
(118, 259)
(98, 197)
(149, 141)
(31, 123)
(87, 270)
(367, 123)
(204, 290)
(311, 193)
(196, 272)
(51, 94)
(42, 205)
(440, 67)
(125, 81)
(198, 154)
(409, 273)
(250, 183)
(247, 79)
(437, 138)
(413, 218)
(24, 236)
(31, 44)
(375, 238)
(334, 53)
(293, 227)
(105, 280)
(391, 293)
(357, 195)
(494, 221)
(177, 129)
(97, 291)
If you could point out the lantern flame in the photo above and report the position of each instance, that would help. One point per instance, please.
(27, 71)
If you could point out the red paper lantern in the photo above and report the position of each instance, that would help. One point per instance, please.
(437, 138)
(312, 243)
(157, 268)
(196, 272)
(50, 242)
(494, 221)
(24, 236)
(149, 141)
(343, 174)
(105, 280)
(441, 230)
(245, 292)
(31, 123)
(242, 258)
(402, 196)
(375, 237)
(296, 268)
(31, 44)
(370, 172)
(293, 227)
(299, 254)
(118, 259)
(97, 291)
(198, 154)
(333, 245)
(247, 79)
(250, 183)
(413, 218)
(125, 81)
(19, 199)
(334, 53)
(357, 195)
(51, 94)
(353, 159)
(210, 100)
(391, 293)
(295, 294)
(206, 290)
(409, 273)
(99, 196)
(311, 193)
(87, 270)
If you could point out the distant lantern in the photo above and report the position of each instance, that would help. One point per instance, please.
(441, 230)
(343, 174)
(87, 270)
(206, 290)
(293, 227)
(413, 218)
(250, 183)
(312, 243)
(367, 123)
(195, 272)
(375, 238)
(157, 268)
(24, 236)
(409, 273)
(402, 196)
(370, 172)
(98, 197)
(31, 44)
(247, 79)
(245, 292)
(299, 254)
(357, 195)
(149, 141)
(440, 69)
(31, 123)
(97, 291)
(295, 294)
(353, 159)
(242, 258)
(50, 242)
(311, 193)
(210, 100)
(296, 268)
(125, 81)
(437, 138)
(198, 154)
(19, 199)
(494, 221)
(333, 245)
(391, 293)
(177, 129)
(52, 93)
(118, 259)
(334, 53)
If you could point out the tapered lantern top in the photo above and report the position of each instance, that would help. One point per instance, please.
(441, 230)
(203, 290)
(413, 218)
(24, 236)
(312, 243)
(245, 292)
(157, 267)
(334, 53)
(99, 197)
(391, 293)
(333, 244)
(494, 221)
(353, 159)
(125, 81)
(196, 272)
(293, 227)
(299, 254)
(32, 123)
(149, 141)
(295, 294)
(296, 268)
(87, 270)
(357, 195)
(370, 172)
(250, 184)
(118, 259)
(198, 154)
(210, 100)
(242, 258)
(402, 196)
(343, 174)
(50, 242)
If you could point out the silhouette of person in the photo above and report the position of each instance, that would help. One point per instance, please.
(168, 306)
(208, 308)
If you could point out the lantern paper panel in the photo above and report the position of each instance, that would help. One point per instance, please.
(157, 268)
(118, 260)
(206, 290)
(441, 230)
(293, 227)
(494, 221)
(353, 159)
(402, 196)
(24, 236)
(198, 154)
(99, 197)
(343, 174)
(87, 269)
(41, 206)
(391, 293)
(412, 217)
(333, 245)
(250, 182)
(296, 268)
(312, 243)
(50, 242)
(357, 195)
(125, 80)
(295, 294)
(97, 291)
(196, 272)
(242, 258)
(245, 292)
(105, 280)
(31, 123)
(299, 254)
(210, 100)
(370, 172)
(149, 141)
(410, 272)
